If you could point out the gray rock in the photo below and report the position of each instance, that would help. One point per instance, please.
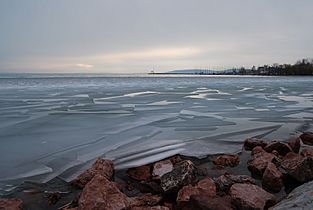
(299, 198)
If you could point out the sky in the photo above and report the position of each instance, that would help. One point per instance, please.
(137, 36)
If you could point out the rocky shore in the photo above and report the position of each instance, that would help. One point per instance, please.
(265, 175)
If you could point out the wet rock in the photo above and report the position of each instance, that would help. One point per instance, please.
(182, 174)
(226, 160)
(141, 173)
(307, 152)
(272, 178)
(251, 143)
(145, 200)
(307, 138)
(252, 197)
(298, 167)
(162, 167)
(300, 198)
(224, 182)
(102, 167)
(205, 187)
(10, 204)
(259, 161)
(294, 144)
(101, 194)
(200, 202)
(280, 147)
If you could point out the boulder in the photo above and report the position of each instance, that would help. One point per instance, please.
(149, 208)
(307, 152)
(205, 187)
(101, 194)
(295, 144)
(307, 138)
(162, 167)
(101, 167)
(280, 147)
(10, 204)
(226, 160)
(272, 179)
(182, 174)
(252, 197)
(145, 200)
(298, 167)
(259, 161)
(224, 182)
(200, 202)
(141, 173)
(300, 198)
(176, 159)
(250, 143)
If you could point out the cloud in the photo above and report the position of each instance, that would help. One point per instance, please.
(84, 65)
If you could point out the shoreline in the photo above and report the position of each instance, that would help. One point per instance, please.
(136, 182)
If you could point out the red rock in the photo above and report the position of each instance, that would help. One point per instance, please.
(226, 160)
(299, 167)
(182, 174)
(251, 197)
(162, 167)
(224, 182)
(294, 144)
(145, 200)
(280, 147)
(208, 186)
(101, 194)
(259, 161)
(150, 208)
(205, 187)
(307, 152)
(256, 150)
(176, 159)
(272, 178)
(102, 167)
(141, 173)
(251, 143)
(10, 204)
(199, 202)
(307, 138)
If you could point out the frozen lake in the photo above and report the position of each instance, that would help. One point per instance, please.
(56, 126)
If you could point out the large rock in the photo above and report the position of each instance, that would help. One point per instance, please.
(251, 197)
(145, 200)
(272, 179)
(307, 152)
(299, 167)
(250, 143)
(101, 167)
(201, 202)
(227, 160)
(10, 204)
(294, 144)
(141, 173)
(162, 167)
(182, 174)
(259, 161)
(307, 138)
(101, 194)
(205, 187)
(280, 147)
(224, 182)
(300, 198)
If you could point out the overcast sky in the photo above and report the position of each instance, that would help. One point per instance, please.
(132, 36)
